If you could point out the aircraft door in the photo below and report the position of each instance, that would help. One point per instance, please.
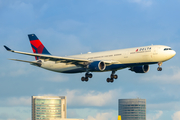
(155, 56)
(155, 51)
(126, 54)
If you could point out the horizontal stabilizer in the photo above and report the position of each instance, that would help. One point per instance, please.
(31, 62)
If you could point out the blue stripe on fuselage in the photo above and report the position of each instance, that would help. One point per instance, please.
(77, 70)
(110, 68)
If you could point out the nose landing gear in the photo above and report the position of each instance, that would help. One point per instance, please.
(159, 68)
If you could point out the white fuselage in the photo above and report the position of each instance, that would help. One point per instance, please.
(124, 57)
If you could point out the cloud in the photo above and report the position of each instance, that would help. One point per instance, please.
(9, 116)
(18, 72)
(109, 98)
(19, 101)
(102, 116)
(15, 69)
(176, 116)
(57, 78)
(15, 113)
(86, 99)
(164, 106)
(156, 116)
(142, 2)
(71, 113)
(92, 98)
(16, 101)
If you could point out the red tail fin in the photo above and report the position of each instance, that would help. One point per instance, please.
(37, 46)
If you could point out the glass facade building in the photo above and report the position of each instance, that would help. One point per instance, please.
(132, 109)
(48, 107)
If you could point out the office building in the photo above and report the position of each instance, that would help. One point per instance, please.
(132, 109)
(48, 107)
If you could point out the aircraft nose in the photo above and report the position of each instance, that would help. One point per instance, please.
(173, 53)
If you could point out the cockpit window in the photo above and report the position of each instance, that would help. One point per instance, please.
(167, 49)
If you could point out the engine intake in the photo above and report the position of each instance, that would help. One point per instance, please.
(97, 66)
(140, 69)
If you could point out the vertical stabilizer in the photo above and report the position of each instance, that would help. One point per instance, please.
(37, 46)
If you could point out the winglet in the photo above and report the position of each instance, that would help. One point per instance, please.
(8, 49)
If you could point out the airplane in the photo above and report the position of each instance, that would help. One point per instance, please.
(136, 59)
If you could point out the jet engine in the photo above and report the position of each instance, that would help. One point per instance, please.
(140, 69)
(97, 66)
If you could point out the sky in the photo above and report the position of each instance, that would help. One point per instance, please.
(69, 27)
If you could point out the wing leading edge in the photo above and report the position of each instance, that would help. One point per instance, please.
(58, 59)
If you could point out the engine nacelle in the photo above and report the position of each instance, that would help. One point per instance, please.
(140, 69)
(97, 66)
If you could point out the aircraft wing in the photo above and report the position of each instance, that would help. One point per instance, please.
(58, 59)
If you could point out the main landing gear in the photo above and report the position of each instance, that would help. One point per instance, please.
(87, 75)
(112, 77)
(159, 68)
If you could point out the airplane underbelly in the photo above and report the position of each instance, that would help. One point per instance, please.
(61, 67)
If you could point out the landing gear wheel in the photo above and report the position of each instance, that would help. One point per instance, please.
(88, 75)
(82, 79)
(108, 80)
(111, 80)
(159, 69)
(114, 76)
(86, 79)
